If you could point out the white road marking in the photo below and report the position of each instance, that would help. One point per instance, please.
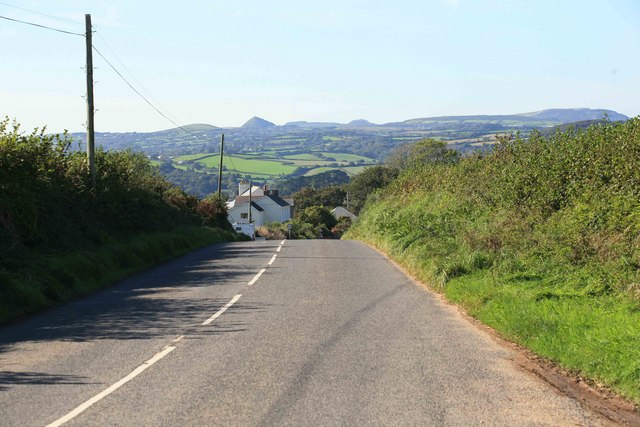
(178, 339)
(80, 409)
(279, 248)
(222, 310)
(273, 258)
(282, 243)
(256, 277)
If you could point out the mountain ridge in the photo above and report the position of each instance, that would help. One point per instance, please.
(256, 122)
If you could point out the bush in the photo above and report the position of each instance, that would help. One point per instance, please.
(48, 201)
(538, 238)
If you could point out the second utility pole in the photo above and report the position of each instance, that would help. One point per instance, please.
(91, 156)
(220, 169)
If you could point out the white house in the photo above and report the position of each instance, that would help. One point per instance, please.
(266, 206)
(341, 212)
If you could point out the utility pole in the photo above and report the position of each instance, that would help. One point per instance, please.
(90, 109)
(250, 188)
(220, 169)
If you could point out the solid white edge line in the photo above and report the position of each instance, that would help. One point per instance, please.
(273, 258)
(80, 409)
(222, 310)
(256, 277)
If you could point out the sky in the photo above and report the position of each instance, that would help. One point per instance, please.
(222, 62)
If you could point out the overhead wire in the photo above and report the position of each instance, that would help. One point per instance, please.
(102, 56)
(160, 106)
(156, 108)
(141, 95)
(41, 14)
(41, 26)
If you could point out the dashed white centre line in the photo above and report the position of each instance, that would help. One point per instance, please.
(256, 277)
(222, 310)
(80, 409)
(83, 407)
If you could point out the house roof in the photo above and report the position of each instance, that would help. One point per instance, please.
(276, 199)
(279, 200)
(240, 204)
(255, 191)
(341, 211)
(257, 206)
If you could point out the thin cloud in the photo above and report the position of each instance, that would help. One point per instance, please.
(452, 3)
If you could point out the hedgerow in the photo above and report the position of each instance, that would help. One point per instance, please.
(540, 238)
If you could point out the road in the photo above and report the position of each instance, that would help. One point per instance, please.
(267, 333)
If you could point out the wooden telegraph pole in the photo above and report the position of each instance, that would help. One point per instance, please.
(90, 108)
(250, 188)
(220, 168)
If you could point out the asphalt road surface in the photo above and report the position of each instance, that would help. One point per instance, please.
(267, 333)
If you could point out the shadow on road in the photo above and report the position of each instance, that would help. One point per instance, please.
(157, 303)
(8, 379)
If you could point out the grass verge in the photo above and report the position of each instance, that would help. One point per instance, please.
(47, 280)
(589, 331)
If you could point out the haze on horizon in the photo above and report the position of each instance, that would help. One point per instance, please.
(221, 63)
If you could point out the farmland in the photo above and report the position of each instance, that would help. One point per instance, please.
(273, 163)
(265, 152)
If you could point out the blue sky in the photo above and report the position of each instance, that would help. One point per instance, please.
(221, 62)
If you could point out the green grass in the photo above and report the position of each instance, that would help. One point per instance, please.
(538, 239)
(319, 170)
(347, 157)
(305, 156)
(270, 163)
(243, 164)
(350, 170)
(594, 335)
(562, 313)
(191, 157)
(354, 170)
(58, 278)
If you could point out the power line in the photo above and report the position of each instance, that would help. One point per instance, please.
(102, 56)
(131, 74)
(140, 95)
(41, 26)
(40, 13)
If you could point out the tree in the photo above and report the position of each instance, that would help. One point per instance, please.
(319, 217)
(366, 182)
(421, 152)
(329, 197)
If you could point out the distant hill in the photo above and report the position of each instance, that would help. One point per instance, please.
(581, 125)
(361, 123)
(195, 127)
(360, 137)
(567, 115)
(542, 118)
(312, 125)
(257, 123)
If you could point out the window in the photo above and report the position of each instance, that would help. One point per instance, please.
(244, 215)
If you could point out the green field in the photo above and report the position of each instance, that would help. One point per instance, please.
(274, 162)
(350, 170)
(306, 156)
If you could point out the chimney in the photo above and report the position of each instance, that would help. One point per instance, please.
(242, 187)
